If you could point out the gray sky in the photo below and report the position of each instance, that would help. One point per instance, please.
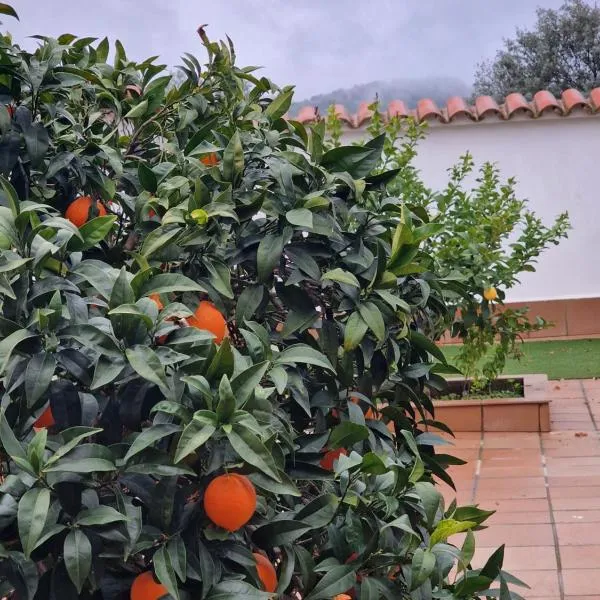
(318, 45)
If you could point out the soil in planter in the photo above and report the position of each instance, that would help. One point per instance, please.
(461, 389)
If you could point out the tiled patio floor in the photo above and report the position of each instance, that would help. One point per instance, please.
(546, 491)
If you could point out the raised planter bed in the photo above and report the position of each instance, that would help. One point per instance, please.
(531, 412)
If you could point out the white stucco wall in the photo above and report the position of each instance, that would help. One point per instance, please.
(556, 162)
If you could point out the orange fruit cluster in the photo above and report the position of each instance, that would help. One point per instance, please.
(145, 587)
(208, 318)
(78, 211)
(230, 501)
(330, 457)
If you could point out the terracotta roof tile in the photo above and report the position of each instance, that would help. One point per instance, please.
(458, 109)
(573, 98)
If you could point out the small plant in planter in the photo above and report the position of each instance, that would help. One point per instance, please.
(213, 386)
(481, 240)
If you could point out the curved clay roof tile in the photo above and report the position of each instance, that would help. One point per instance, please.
(485, 105)
(545, 100)
(426, 109)
(397, 108)
(573, 99)
(343, 115)
(595, 99)
(363, 114)
(516, 102)
(456, 106)
(307, 114)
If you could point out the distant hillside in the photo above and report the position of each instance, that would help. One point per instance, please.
(408, 90)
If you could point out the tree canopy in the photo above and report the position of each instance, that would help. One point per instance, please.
(562, 51)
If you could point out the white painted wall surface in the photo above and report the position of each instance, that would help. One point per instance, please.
(556, 161)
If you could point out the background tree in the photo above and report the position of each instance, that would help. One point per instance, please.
(562, 51)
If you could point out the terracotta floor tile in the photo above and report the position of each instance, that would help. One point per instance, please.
(523, 535)
(510, 493)
(580, 557)
(575, 503)
(493, 472)
(519, 557)
(577, 516)
(517, 518)
(580, 492)
(573, 461)
(576, 534)
(572, 425)
(511, 440)
(520, 482)
(542, 583)
(584, 471)
(569, 481)
(581, 582)
(527, 505)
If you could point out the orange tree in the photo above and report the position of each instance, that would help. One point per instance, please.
(146, 454)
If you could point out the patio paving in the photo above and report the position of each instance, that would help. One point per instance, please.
(546, 491)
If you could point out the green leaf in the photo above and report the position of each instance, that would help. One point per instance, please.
(106, 371)
(300, 217)
(122, 292)
(74, 435)
(336, 581)
(77, 553)
(250, 449)
(146, 363)
(9, 441)
(402, 523)
(6, 9)
(279, 533)
(372, 317)
(423, 564)
(81, 465)
(165, 572)
(93, 232)
(131, 310)
(423, 342)
(447, 527)
(244, 384)
(234, 589)
(139, 110)
(346, 434)
(159, 238)
(101, 515)
(341, 276)
(358, 161)
(304, 354)
(37, 141)
(268, 255)
(356, 328)
(93, 338)
(38, 375)
(226, 406)
(233, 160)
(7, 187)
(31, 517)
(9, 343)
(280, 105)
(149, 436)
(320, 511)
(493, 566)
(147, 178)
(170, 282)
(194, 435)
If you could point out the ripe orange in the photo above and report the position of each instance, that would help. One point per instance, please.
(266, 572)
(78, 211)
(330, 457)
(490, 294)
(230, 501)
(342, 597)
(207, 317)
(210, 160)
(145, 587)
(46, 419)
(156, 299)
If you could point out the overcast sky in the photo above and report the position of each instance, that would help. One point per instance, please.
(318, 45)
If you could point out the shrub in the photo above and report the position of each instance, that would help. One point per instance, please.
(481, 238)
(155, 422)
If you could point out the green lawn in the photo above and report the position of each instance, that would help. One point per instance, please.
(571, 359)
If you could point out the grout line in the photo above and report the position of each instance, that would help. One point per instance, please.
(561, 585)
(587, 405)
(477, 474)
